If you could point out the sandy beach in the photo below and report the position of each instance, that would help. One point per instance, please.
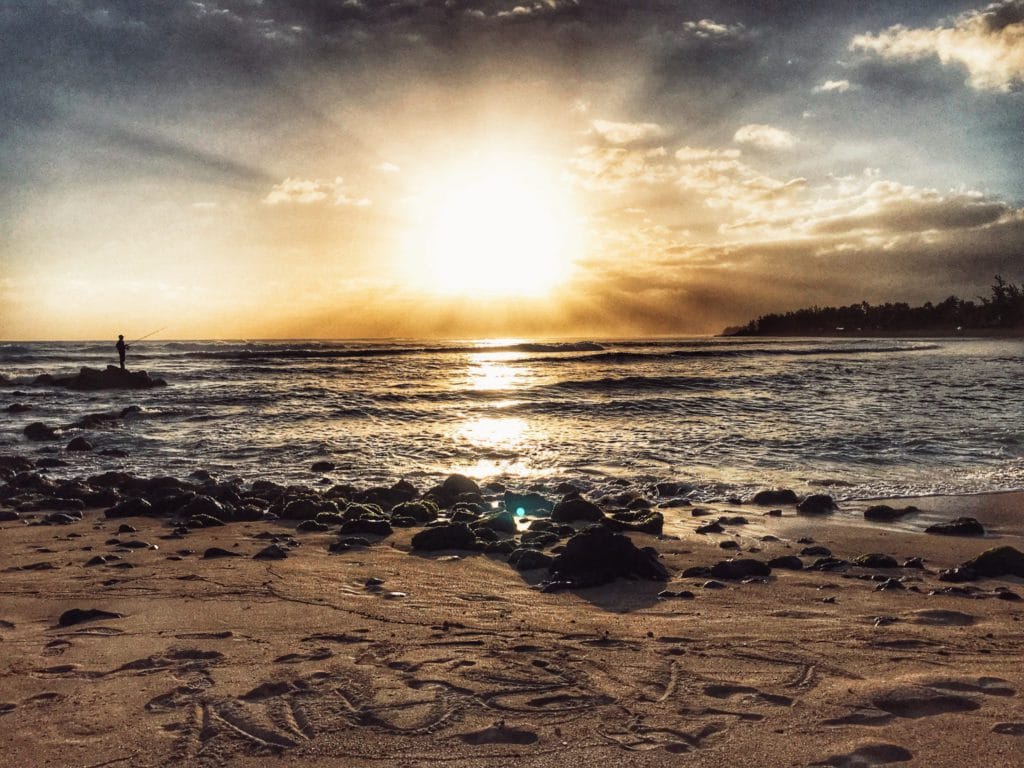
(382, 655)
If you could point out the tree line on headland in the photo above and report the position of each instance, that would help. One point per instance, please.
(1002, 311)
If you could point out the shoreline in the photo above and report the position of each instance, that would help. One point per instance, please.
(261, 642)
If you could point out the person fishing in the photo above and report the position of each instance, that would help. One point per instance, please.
(121, 348)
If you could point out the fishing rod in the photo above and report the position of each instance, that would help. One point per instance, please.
(151, 333)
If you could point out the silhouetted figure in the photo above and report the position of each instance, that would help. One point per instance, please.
(121, 349)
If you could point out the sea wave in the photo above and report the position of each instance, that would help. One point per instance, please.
(614, 356)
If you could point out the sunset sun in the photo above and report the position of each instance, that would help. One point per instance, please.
(495, 227)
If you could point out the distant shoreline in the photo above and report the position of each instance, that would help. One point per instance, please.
(981, 333)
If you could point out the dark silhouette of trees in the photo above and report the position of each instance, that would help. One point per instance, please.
(1003, 309)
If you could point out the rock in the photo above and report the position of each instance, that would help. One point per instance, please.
(79, 615)
(884, 513)
(301, 509)
(61, 518)
(367, 525)
(325, 518)
(503, 522)
(91, 379)
(683, 594)
(775, 496)
(666, 490)
(890, 584)
(359, 511)
(115, 453)
(817, 504)
(914, 562)
(539, 539)
(696, 572)
(486, 535)
(876, 560)
(448, 536)
(501, 547)
(713, 585)
(323, 466)
(640, 521)
(125, 528)
(996, 562)
(203, 521)
(455, 488)
(1002, 593)
(216, 552)
(18, 408)
(458, 485)
(421, 511)
(961, 526)
(386, 498)
(525, 559)
(312, 526)
(728, 544)
(464, 516)
(348, 543)
(574, 507)
(742, 568)
(9, 516)
(38, 431)
(786, 563)
(135, 507)
(828, 564)
(733, 520)
(522, 504)
(816, 551)
(58, 504)
(204, 506)
(597, 555)
(712, 527)
(958, 575)
(79, 444)
(271, 552)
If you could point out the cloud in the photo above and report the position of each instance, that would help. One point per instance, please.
(764, 137)
(617, 169)
(386, 167)
(834, 86)
(294, 191)
(628, 133)
(988, 42)
(707, 29)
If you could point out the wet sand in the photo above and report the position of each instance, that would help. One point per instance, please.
(456, 659)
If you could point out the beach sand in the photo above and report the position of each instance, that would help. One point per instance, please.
(457, 660)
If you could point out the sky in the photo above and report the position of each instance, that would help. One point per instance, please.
(492, 168)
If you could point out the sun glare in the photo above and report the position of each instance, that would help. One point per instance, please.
(495, 227)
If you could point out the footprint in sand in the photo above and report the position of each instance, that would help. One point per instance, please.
(942, 618)
(499, 733)
(56, 647)
(927, 698)
(726, 691)
(867, 756)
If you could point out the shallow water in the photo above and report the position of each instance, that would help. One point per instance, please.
(878, 417)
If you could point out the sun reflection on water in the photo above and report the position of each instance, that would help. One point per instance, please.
(490, 371)
(494, 434)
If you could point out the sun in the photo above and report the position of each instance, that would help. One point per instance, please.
(495, 226)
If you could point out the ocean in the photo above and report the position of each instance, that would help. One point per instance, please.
(855, 418)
